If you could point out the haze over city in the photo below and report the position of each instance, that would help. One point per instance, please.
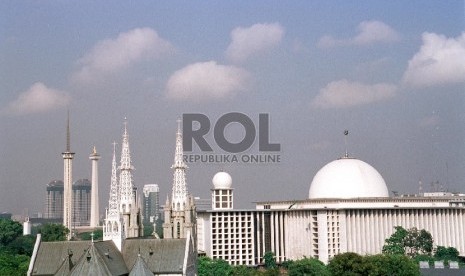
(392, 73)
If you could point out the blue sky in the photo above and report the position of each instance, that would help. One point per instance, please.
(392, 72)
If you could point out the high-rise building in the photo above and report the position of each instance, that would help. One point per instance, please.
(81, 195)
(81, 202)
(151, 203)
(54, 200)
(180, 212)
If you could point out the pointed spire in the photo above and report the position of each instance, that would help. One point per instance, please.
(68, 142)
(113, 202)
(179, 189)
(125, 177)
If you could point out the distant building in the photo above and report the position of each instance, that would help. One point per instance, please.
(5, 215)
(151, 203)
(81, 201)
(54, 200)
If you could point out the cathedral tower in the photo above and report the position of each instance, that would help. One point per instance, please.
(180, 212)
(68, 182)
(123, 216)
(113, 226)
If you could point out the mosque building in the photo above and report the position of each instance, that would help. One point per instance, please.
(348, 210)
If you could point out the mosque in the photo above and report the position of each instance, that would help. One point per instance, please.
(348, 210)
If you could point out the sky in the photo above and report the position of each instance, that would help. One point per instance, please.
(390, 72)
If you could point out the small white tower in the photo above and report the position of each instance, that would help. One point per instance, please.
(68, 182)
(222, 193)
(94, 206)
(27, 226)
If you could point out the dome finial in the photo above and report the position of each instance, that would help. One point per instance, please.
(346, 133)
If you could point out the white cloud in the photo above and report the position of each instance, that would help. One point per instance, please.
(206, 81)
(369, 32)
(256, 38)
(440, 60)
(113, 55)
(38, 98)
(344, 93)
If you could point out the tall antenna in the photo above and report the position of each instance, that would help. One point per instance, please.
(346, 133)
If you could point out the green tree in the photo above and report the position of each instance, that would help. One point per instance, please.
(9, 231)
(13, 265)
(242, 270)
(411, 242)
(87, 236)
(390, 265)
(308, 267)
(347, 264)
(53, 232)
(395, 243)
(270, 261)
(209, 267)
(22, 245)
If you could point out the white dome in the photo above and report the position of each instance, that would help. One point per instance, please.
(347, 178)
(222, 180)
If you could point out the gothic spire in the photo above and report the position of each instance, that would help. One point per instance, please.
(125, 177)
(113, 202)
(179, 194)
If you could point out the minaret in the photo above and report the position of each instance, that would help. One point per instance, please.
(112, 228)
(179, 190)
(68, 182)
(94, 205)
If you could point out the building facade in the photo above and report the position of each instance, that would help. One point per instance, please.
(151, 203)
(54, 200)
(81, 202)
(348, 210)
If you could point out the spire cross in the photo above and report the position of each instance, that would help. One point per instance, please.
(179, 125)
(125, 126)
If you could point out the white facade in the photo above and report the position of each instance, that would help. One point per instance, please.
(94, 205)
(359, 218)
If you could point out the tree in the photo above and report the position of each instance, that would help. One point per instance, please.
(242, 270)
(53, 232)
(11, 264)
(209, 267)
(270, 261)
(395, 243)
(390, 265)
(347, 264)
(22, 245)
(87, 236)
(411, 242)
(9, 231)
(308, 267)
